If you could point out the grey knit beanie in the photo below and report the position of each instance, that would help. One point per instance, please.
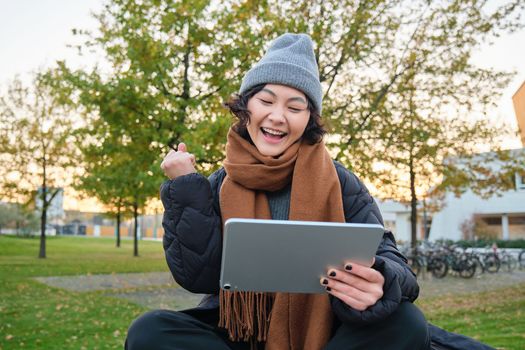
(290, 61)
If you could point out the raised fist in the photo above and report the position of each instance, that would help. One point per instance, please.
(178, 163)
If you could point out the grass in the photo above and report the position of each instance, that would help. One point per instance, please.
(495, 317)
(36, 316)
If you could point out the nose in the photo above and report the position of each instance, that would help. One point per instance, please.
(277, 116)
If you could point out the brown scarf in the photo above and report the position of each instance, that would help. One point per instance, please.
(283, 321)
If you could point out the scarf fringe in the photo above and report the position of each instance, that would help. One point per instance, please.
(246, 315)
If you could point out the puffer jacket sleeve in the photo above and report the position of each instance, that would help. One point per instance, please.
(400, 281)
(192, 231)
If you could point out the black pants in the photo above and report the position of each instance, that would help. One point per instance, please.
(405, 329)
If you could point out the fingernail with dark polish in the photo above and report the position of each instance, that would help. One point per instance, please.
(332, 274)
(348, 267)
(328, 289)
(325, 281)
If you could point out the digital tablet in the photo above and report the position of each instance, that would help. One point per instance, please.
(291, 256)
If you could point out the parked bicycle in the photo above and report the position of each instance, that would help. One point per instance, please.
(460, 262)
(521, 259)
(440, 259)
(427, 258)
(486, 261)
(507, 261)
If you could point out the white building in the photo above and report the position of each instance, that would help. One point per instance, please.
(396, 217)
(504, 215)
(55, 211)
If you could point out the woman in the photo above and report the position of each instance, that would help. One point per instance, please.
(277, 167)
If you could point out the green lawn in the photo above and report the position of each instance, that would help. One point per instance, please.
(496, 318)
(35, 316)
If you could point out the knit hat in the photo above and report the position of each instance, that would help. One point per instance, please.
(290, 61)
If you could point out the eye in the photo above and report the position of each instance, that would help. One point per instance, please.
(266, 102)
(295, 110)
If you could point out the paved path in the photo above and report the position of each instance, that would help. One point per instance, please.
(155, 290)
(87, 283)
(450, 285)
(158, 290)
(164, 298)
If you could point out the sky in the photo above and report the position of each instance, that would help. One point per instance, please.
(35, 33)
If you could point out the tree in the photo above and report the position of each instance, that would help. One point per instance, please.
(103, 183)
(8, 215)
(384, 65)
(19, 217)
(398, 81)
(167, 81)
(172, 65)
(414, 134)
(35, 147)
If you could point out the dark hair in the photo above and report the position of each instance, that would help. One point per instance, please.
(238, 106)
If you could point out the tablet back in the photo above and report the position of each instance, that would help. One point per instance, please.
(291, 256)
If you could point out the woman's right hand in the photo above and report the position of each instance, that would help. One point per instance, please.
(178, 163)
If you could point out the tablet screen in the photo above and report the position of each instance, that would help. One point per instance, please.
(291, 256)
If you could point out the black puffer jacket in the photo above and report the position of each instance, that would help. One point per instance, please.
(193, 242)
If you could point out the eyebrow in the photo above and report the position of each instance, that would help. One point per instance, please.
(297, 98)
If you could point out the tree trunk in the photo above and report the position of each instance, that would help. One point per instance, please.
(135, 233)
(43, 219)
(413, 195)
(17, 223)
(413, 204)
(186, 83)
(425, 220)
(118, 226)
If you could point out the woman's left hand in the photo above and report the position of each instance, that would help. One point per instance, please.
(358, 286)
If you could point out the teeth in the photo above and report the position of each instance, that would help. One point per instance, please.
(273, 132)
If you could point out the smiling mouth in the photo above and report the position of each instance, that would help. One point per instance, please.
(275, 134)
